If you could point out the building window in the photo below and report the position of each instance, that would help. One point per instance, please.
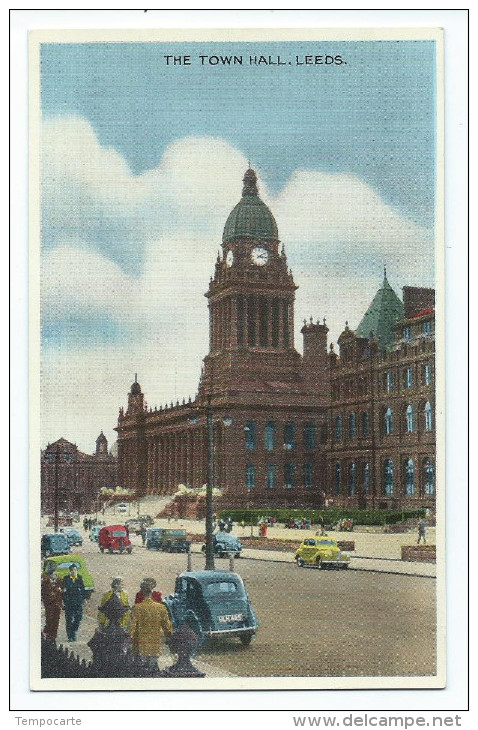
(429, 476)
(250, 434)
(366, 478)
(427, 375)
(289, 436)
(409, 378)
(251, 320)
(410, 477)
(289, 473)
(389, 382)
(352, 475)
(310, 436)
(407, 333)
(275, 322)
(410, 419)
(388, 421)
(352, 426)
(428, 417)
(270, 436)
(427, 328)
(365, 424)
(388, 476)
(308, 475)
(240, 320)
(338, 429)
(337, 478)
(250, 476)
(263, 321)
(271, 475)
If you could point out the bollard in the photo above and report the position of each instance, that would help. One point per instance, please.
(190, 562)
(231, 562)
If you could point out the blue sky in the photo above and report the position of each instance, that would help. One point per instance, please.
(142, 163)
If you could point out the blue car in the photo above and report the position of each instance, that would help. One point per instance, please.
(54, 544)
(225, 544)
(214, 603)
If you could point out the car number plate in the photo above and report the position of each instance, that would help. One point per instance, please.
(230, 617)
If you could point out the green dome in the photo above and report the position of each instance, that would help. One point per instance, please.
(251, 218)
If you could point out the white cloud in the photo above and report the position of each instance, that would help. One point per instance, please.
(140, 250)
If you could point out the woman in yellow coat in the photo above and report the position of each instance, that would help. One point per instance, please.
(149, 625)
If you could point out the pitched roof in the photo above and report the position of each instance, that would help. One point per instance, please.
(385, 310)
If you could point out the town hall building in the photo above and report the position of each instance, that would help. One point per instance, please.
(291, 429)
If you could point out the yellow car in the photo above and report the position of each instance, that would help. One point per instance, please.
(321, 552)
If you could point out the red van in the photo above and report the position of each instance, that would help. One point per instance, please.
(115, 537)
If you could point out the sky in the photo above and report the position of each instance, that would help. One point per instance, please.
(142, 163)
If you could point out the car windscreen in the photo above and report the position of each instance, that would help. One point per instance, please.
(224, 588)
(58, 540)
(66, 566)
(326, 542)
(118, 533)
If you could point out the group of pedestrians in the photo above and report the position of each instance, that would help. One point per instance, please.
(147, 620)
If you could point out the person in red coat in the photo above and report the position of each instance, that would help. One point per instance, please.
(151, 584)
(52, 599)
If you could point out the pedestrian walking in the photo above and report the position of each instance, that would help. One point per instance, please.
(155, 595)
(52, 599)
(116, 590)
(422, 531)
(143, 535)
(73, 599)
(149, 625)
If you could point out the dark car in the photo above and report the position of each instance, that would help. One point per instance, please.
(225, 545)
(74, 537)
(54, 544)
(170, 541)
(214, 603)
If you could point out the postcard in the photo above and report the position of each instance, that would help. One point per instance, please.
(237, 359)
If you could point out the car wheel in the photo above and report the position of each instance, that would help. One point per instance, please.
(130, 550)
(299, 562)
(237, 555)
(102, 549)
(110, 550)
(345, 566)
(246, 639)
(319, 563)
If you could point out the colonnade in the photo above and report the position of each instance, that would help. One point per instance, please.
(256, 320)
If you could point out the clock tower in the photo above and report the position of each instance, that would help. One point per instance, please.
(251, 304)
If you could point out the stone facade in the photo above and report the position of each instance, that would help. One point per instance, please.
(274, 413)
(75, 477)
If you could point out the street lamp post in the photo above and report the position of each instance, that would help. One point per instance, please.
(209, 487)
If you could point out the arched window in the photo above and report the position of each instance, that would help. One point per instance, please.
(427, 374)
(352, 475)
(366, 478)
(269, 436)
(289, 473)
(410, 477)
(309, 436)
(250, 476)
(365, 424)
(250, 434)
(410, 419)
(352, 426)
(271, 475)
(289, 435)
(338, 429)
(388, 421)
(429, 476)
(388, 476)
(337, 477)
(428, 416)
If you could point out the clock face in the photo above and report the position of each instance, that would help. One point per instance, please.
(260, 256)
(229, 259)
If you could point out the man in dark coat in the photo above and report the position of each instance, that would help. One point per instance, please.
(73, 599)
(52, 598)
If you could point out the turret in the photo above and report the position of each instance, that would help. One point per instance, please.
(315, 362)
(135, 398)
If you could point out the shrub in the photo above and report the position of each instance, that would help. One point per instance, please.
(325, 516)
